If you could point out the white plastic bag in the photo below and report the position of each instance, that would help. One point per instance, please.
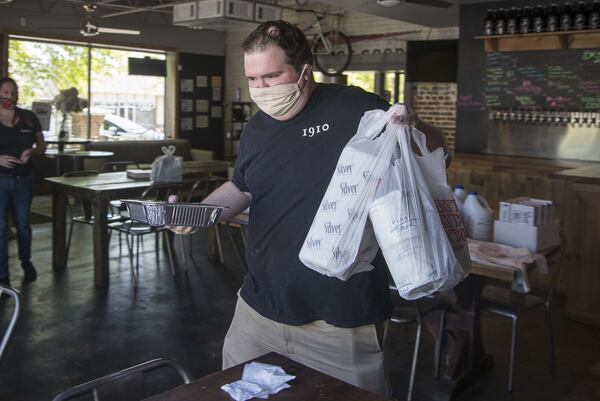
(433, 169)
(167, 168)
(337, 244)
(409, 230)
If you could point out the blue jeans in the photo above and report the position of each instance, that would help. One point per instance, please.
(15, 194)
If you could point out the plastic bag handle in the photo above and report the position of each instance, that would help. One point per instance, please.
(168, 150)
(383, 120)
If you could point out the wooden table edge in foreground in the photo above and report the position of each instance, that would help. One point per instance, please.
(309, 384)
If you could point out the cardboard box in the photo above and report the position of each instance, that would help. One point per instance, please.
(534, 238)
(524, 210)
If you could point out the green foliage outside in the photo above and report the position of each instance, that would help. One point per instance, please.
(43, 69)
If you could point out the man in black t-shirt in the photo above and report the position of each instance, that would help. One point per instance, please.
(288, 152)
(19, 131)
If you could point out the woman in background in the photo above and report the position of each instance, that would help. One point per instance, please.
(19, 131)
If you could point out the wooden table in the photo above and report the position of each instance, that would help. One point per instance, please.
(308, 385)
(100, 190)
(77, 155)
(466, 318)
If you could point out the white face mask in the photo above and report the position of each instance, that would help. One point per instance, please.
(279, 101)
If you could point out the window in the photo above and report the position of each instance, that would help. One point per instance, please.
(132, 106)
(367, 81)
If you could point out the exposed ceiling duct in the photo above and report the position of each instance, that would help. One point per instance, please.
(223, 14)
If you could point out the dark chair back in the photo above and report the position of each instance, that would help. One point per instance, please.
(114, 166)
(203, 187)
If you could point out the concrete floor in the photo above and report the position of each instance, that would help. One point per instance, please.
(71, 332)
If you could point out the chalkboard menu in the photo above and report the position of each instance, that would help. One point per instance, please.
(543, 80)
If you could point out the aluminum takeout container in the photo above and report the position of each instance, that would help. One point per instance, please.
(156, 213)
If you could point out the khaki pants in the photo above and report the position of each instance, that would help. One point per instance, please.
(351, 355)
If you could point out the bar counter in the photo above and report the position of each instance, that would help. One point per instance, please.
(583, 301)
(575, 187)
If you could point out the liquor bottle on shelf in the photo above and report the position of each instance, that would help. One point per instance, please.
(500, 22)
(566, 17)
(489, 24)
(512, 22)
(552, 18)
(539, 19)
(579, 18)
(593, 18)
(525, 20)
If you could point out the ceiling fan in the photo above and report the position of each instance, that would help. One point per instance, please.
(431, 3)
(89, 27)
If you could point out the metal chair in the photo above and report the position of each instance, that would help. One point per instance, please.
(11, 292)
(127, 384)
(199, 191)
(414, 312)
(510, 304)
(87, 217)
(135, 231)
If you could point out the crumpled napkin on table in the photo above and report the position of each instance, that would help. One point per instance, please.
(258, 380)
(492, 253)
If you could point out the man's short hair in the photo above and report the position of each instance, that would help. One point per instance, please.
(285, 35)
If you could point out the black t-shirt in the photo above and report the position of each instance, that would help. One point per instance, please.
(287, 166)
(15, 140)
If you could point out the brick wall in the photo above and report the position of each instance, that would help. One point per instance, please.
(435, 103)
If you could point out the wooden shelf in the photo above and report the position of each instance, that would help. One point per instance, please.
(589, 38)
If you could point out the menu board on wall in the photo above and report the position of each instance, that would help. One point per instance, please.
(543, 80)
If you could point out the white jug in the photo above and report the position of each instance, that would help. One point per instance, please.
(478, 217)
(460, 193)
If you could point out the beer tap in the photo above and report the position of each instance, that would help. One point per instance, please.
(526, 118)
(585, 119)
(576, 120)
(519, 117)
(557, 120)
(534, 117)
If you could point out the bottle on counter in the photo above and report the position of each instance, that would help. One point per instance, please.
(566, 17)
(593, 19)
(552, 18)
(539, 19)
(512, 21)
(489, 24)
(579, 17)
(500, 22)
(478, 217)
(525, 20)
(460, 193)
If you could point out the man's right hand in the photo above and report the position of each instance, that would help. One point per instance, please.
(9, 161)
(183, 230)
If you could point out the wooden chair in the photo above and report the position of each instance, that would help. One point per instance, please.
(127, 384)
(504, 302)
(16, 296)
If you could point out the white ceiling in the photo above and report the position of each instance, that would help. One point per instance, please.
(434, 17)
